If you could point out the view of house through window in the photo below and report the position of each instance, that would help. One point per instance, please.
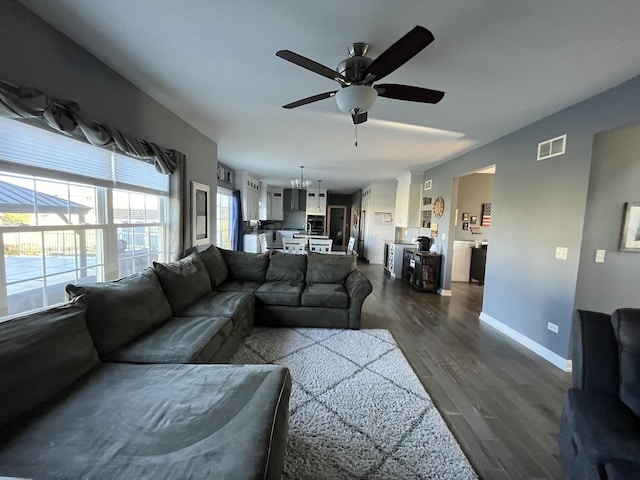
(223, 215)
(54, 232)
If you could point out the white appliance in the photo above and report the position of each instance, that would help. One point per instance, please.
(461, 260)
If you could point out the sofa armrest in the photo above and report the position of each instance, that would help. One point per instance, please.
(594, 353)
(358, 287)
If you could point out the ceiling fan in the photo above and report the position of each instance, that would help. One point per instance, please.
(357, 74)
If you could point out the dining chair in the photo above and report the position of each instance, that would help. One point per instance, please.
(264, 244)
(294, 245)
(350, 245)
(319, 245)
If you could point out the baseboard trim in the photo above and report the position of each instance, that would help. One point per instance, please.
(444, 293)
(555, 359)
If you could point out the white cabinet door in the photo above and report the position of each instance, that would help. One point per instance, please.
(249, 187)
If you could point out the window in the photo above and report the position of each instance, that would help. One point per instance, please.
(224, 201)
(61, 227)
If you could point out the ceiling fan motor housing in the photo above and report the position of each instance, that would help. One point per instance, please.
(353, 68)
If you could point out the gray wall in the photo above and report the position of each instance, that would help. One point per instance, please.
(536, 207)
(473, 191)
(32, 53)
(615, 179)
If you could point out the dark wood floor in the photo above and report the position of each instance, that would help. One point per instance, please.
(501, 401)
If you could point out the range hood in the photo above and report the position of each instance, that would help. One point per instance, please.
(298, 199)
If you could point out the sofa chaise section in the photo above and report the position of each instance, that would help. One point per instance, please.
(64, 414)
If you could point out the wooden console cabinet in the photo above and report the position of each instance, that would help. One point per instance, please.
(422, 270)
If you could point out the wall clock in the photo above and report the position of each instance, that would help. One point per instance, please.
(438, 207)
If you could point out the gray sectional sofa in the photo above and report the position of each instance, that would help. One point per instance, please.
(119, 382)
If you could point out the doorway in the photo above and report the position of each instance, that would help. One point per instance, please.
(471, 230)
(337, 224)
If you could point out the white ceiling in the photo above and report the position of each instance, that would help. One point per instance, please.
(502, 63)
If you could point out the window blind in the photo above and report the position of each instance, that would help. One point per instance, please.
(36, 147)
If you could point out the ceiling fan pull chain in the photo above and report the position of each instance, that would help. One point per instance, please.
(355, 135)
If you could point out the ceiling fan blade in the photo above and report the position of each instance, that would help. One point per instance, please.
(309, 64)
(399, 53)
(304, 101)
(409, 93)
(360, 118)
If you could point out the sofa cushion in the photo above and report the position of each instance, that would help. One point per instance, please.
(221, 304)
(181, 340)
(323, 268)
(284, 267)
(41, 354)
(184, 281)
(121, 310)
(626, 324)
(238, 286)
(280, 293)
(215, 265)
(249, 267)
(604, 428)
(333, 295)
(159, 421)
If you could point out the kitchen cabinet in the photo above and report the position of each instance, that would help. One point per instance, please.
(249, 186)
(408, 201)
(422, 270)
(271, 203)
(316, 202)
(393, 258)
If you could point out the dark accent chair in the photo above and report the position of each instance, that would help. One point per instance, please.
(600, 424)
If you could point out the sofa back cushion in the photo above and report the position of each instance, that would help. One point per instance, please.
(285, 267)
(248, 267)
(215, 265)
(626, 324)
(41, 354)
(122, 310)
(184, 281)
(323, 268)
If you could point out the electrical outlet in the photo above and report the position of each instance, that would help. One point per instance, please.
(599, 256)
(561, 253)
(553, 327)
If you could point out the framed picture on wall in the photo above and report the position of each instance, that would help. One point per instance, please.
(473, 220)
(465, 225)
(630, 235)
(200, 214)
(465, 217)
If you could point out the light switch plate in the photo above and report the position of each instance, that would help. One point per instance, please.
(599, 256)
(561, 253)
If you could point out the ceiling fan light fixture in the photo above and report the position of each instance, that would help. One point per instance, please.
(356, 99)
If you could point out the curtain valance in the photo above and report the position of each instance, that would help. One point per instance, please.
(66, 116)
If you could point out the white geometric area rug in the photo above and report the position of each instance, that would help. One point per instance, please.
(357, 409)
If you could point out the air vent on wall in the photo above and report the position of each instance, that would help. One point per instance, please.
(552, 148)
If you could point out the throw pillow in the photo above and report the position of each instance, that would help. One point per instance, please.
(41, 354)
(322, 268)
(215, 265)
(248, 267)
(284, 267)
(121, 310)
(184, 281)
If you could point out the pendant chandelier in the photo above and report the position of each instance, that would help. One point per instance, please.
(300, 184)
